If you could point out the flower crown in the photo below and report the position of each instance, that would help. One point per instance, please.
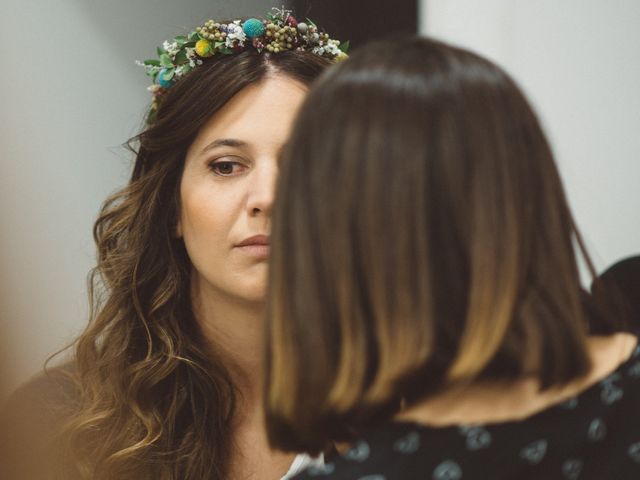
(278, 32)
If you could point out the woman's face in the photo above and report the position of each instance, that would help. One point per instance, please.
(227, 189)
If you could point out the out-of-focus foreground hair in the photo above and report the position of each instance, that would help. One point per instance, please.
(154, 402)
(421, 240)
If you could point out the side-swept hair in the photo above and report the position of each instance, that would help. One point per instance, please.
(421, 240)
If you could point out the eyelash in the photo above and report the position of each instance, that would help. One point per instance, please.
(216, 165)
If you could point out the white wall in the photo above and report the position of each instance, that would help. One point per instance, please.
(579, 62)
(70, 95)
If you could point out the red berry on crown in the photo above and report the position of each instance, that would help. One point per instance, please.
(292, 22)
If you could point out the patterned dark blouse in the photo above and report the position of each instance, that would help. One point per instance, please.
(595, 435)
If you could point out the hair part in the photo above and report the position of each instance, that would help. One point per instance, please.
(421, 240)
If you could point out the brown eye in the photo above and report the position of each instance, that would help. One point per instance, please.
(226, 168)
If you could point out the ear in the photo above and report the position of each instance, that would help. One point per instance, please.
(177, 214)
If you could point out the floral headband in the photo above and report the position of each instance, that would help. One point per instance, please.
(278, 32)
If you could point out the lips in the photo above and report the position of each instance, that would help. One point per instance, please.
(256, 240)
(256, 247)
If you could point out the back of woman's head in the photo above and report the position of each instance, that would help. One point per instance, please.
(421, 239)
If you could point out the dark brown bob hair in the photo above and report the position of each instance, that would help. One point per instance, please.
(421, 240)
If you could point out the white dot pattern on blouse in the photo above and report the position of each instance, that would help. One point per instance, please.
(359, 453)
(534, 452)
(408, 444)
(634, 452)
(447, 470)
(594, 436)
(477, 437)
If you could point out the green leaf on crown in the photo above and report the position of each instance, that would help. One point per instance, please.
(181, 40)
(165, 61)
(168, 75)
(159, 50)
(344, 46)
(153, 63)
(181, 57)
(193, 36)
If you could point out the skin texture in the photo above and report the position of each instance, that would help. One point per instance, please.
(226, 196)
(227, 191)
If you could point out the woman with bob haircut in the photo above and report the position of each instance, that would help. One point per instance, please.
(165, 382)
(424, 299)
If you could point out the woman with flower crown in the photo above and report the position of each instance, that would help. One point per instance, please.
(166, 379)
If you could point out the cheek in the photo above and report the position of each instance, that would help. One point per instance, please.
(203, 235)
(209, 210)
(202, 218)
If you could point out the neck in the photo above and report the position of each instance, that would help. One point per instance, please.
(493, 402)
(233, 329)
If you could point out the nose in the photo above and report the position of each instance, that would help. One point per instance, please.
(262, 192)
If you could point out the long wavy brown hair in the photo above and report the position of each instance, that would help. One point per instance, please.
(153, 401)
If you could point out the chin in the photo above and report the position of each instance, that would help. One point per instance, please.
(255, 294)
(253, 290)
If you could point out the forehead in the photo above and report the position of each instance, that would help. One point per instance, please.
(259, 115)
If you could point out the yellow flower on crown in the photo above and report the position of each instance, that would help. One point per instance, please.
(204, 48)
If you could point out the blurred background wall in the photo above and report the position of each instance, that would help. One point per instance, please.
(578, 61)
(70, 95)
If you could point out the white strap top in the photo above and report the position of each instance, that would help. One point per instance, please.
(301, 462)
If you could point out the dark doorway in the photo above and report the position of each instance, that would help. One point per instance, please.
(358, 20)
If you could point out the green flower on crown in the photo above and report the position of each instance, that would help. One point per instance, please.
(278, 32)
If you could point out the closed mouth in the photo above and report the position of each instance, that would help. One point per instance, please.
(255, 241)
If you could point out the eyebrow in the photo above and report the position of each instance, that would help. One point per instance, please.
(224, 142)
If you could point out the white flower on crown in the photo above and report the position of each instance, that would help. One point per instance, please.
(330, 48)
(235, 33)
(151, 69)
(191, 55)
(283, 13)
(171, 48)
